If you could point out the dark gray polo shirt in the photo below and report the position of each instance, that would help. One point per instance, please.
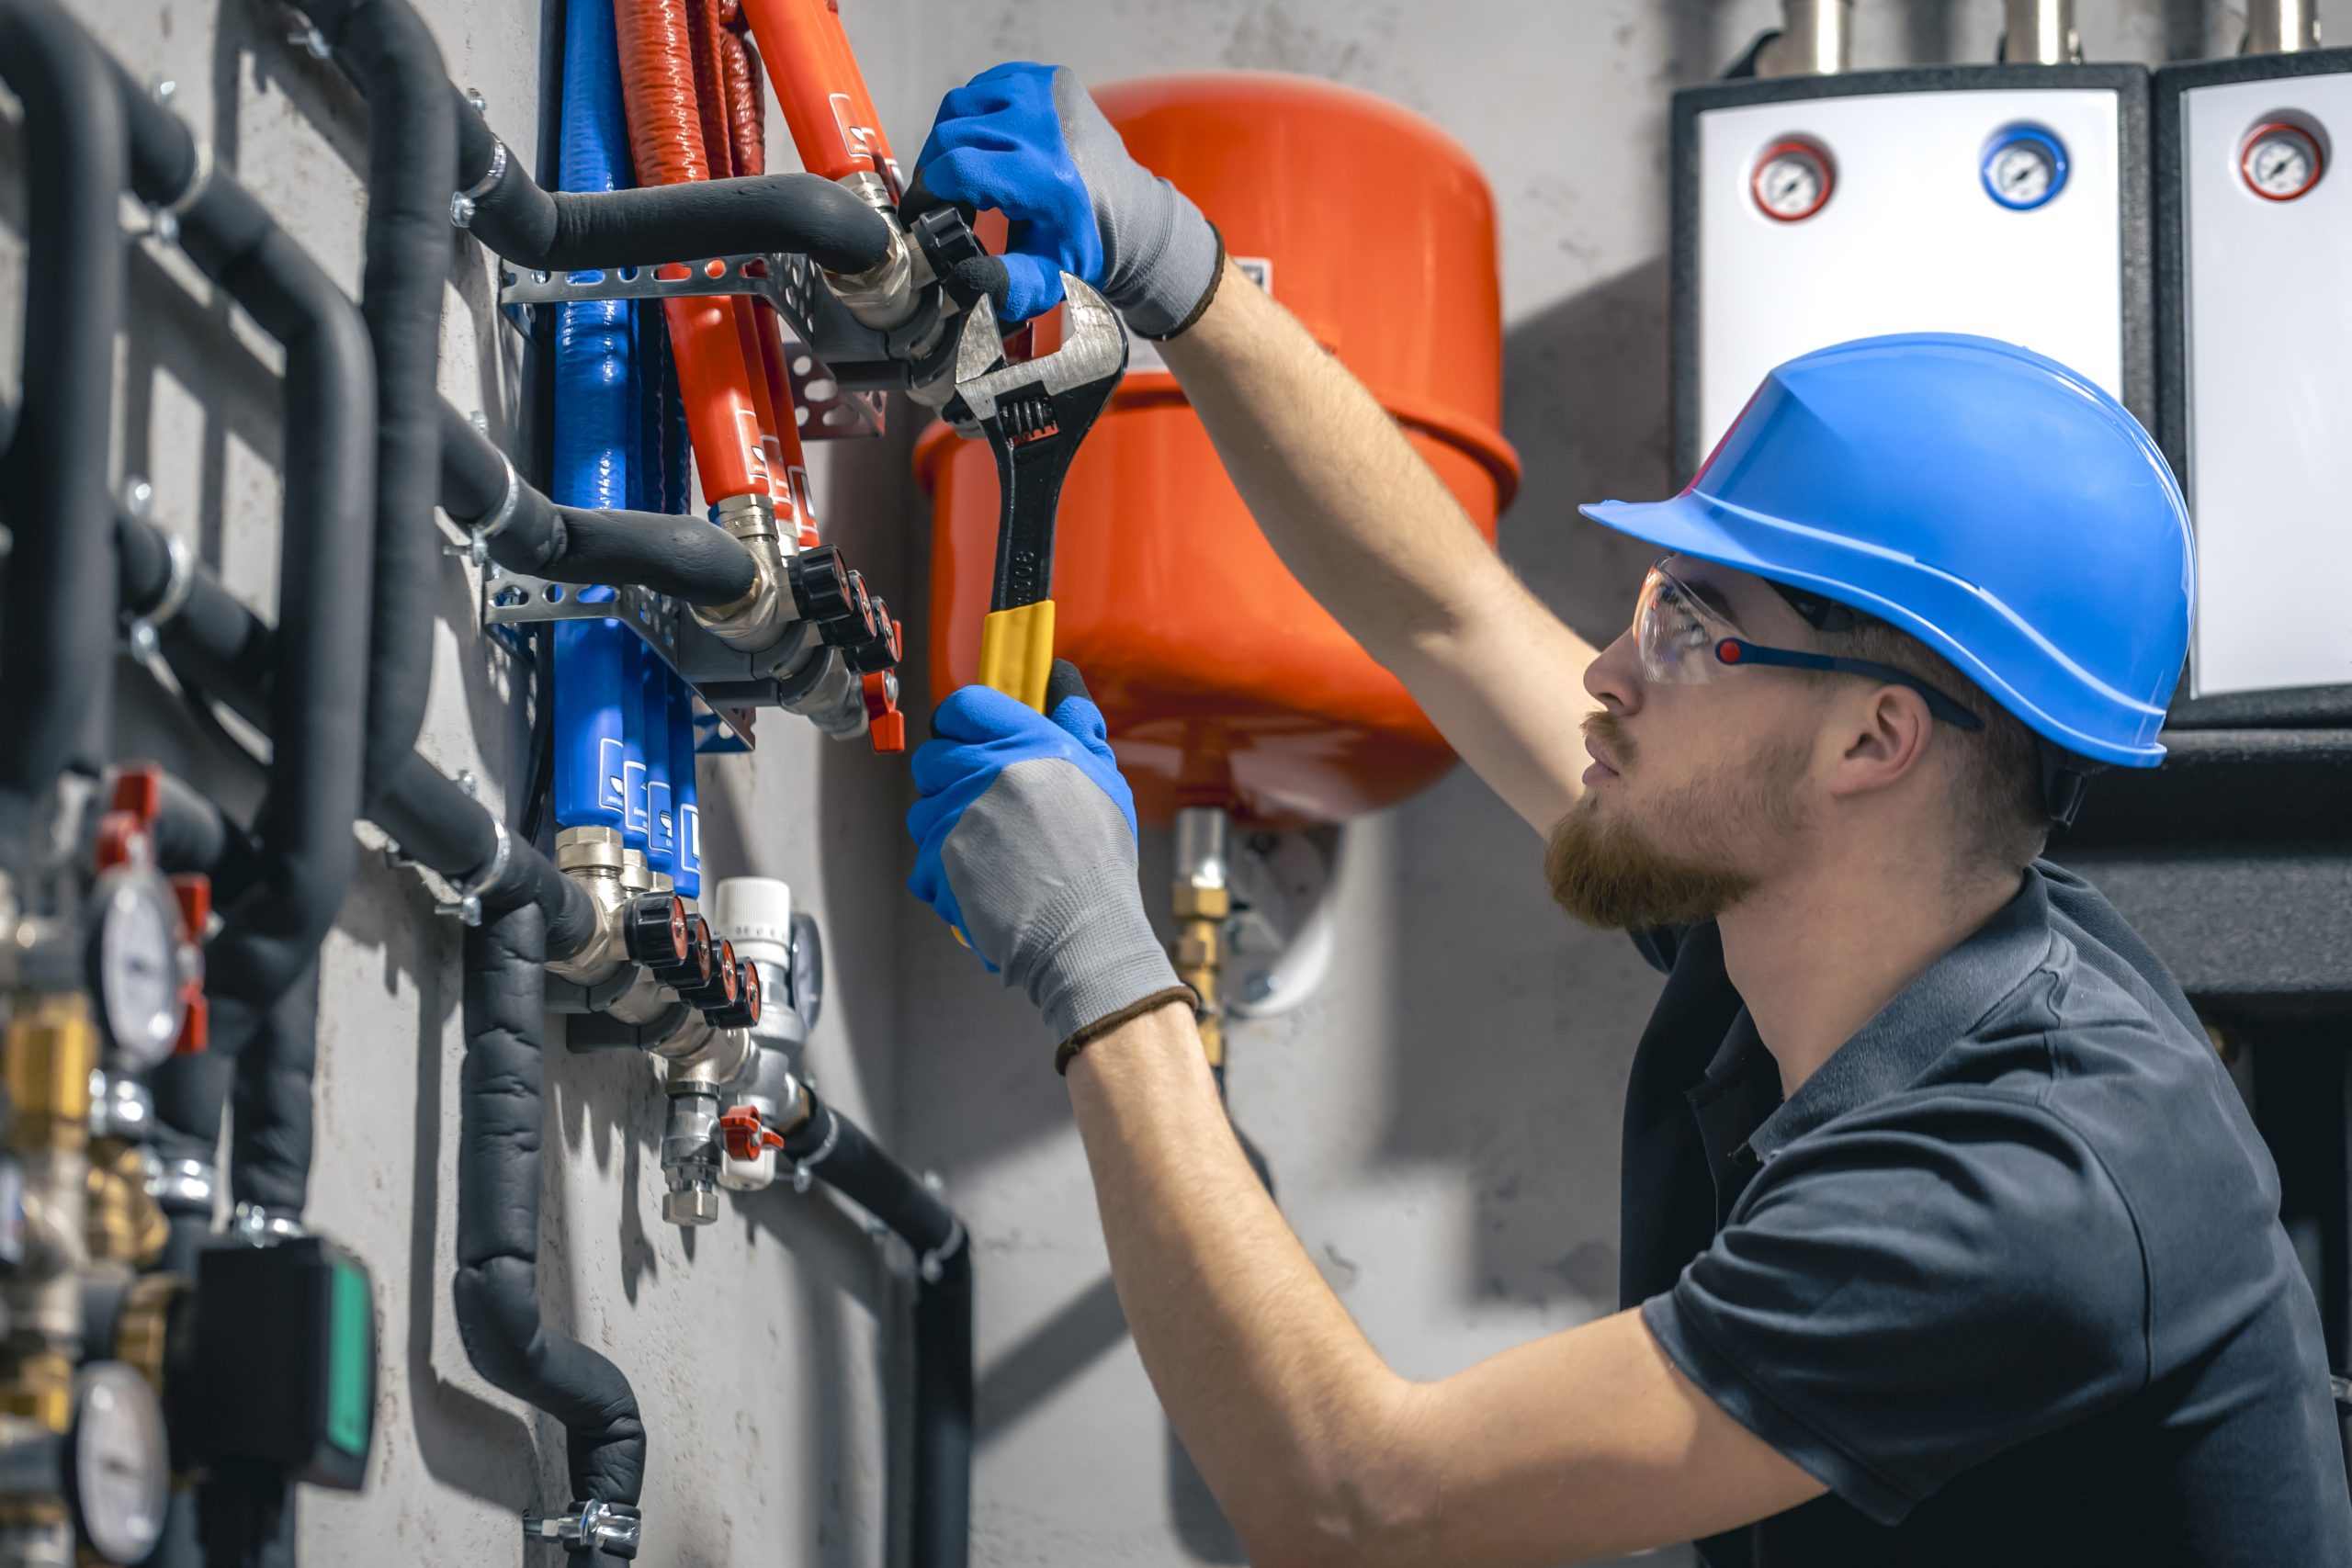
(2006, 1274)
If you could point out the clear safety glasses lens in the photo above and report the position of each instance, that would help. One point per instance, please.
(1677, 632)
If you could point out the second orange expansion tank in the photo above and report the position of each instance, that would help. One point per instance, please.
(1223, 682)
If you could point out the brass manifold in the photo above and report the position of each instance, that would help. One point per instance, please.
(51, 1049)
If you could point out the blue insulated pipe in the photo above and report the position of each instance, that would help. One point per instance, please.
(597, 443)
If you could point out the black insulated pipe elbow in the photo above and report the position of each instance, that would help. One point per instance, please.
(849, 1162)
(496, 1288)
(683, 556)
(756, 214)
(386, 49)
(56, 629)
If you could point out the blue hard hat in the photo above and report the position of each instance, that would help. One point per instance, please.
(1990, 501)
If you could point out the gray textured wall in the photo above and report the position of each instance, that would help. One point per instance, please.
(762, 1348)
(1442, 1119)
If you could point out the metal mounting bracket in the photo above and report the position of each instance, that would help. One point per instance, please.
(824, 332)
(722, 674)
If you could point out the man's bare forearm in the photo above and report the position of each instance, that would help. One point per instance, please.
(1375, 536)
(1352, 509)
(1279, 1398)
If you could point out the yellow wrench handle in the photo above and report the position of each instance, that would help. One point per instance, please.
(1017, 652)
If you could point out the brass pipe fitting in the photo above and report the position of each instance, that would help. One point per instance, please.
(1203, 900)
(883, 296)
(122, 1222)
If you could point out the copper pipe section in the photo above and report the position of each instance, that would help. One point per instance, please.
(2041, 33)
(1202, 900)
(1816, 39)
(2280, 26)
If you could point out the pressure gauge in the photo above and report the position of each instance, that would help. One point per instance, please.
(2280, 160)
(2024, 167)
(808, 969)
(1792, 180)
(118, 1463)
(134, 966)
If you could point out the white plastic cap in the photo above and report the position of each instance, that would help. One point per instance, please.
(756, 914)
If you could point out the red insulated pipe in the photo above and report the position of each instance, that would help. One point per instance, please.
(823, 93)
(666, 138)
(746, 104)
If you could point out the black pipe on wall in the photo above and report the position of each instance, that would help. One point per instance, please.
(263, 959)
(228, 650)
(496, 1288)
(840, 1154)
(565, 231)
(56, 627)
(682, 556)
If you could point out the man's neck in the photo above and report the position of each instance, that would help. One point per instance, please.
(1815, 958)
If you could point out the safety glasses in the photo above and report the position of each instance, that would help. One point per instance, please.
(1684, 640)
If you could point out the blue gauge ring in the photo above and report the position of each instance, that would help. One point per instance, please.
(2024, 136)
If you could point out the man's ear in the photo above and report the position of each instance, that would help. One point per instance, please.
(1885, 735)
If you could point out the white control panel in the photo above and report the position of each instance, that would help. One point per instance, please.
(1996, 211)
(2267, 275)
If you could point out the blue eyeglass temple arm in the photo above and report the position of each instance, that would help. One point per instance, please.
(1738, 651)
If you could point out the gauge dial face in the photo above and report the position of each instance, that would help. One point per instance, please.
(807, 970)
(1791, 181)
(2024, 167)
(121, 1462)
(2281, 161)
(138, 978)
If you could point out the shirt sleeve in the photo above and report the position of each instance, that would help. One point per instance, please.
(1910, 1291)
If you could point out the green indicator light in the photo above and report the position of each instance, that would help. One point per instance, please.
(351, 1327)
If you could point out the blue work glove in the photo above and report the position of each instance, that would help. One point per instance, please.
(1027, 140)
(1025, 842)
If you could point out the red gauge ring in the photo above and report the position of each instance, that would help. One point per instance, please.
(1812, 153)
(2272, 130)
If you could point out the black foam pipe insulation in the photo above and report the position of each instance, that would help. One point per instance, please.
(681, 556)
(56, 631)
(501, 1121)
(838, 1152)
(754, 214)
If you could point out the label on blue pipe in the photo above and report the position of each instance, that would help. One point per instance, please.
(660, 829)
(633, 803)
(687, 871)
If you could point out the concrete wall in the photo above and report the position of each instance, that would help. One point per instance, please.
(762, 1348)
(1442, 1119)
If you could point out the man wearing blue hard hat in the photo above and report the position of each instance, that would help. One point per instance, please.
(1946, 1238)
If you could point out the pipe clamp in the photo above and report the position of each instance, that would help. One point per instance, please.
(482, 530)
(467, 906)
(462, 204)
(804, 1170)
(613, 1527)
(930, 1266)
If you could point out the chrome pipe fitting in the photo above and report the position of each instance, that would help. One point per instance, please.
(2281, 26)
(2041, 33)
(597, 859)
(760, 618)
(1816, 39)
(885, 295)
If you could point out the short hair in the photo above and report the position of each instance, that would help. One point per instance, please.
(1996, 773)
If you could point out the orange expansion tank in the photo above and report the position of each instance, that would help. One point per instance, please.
(1223, 683)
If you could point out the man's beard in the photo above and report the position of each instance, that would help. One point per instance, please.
(1620, 875)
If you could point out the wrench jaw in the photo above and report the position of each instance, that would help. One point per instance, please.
(1086, 367)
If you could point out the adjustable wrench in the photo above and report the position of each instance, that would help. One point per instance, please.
(1032, 415)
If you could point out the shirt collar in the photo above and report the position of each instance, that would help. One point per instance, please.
(1926, 1019)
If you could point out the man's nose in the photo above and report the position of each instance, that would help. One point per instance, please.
(1614, 679)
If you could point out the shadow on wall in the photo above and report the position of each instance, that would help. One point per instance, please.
(1528, 1107)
